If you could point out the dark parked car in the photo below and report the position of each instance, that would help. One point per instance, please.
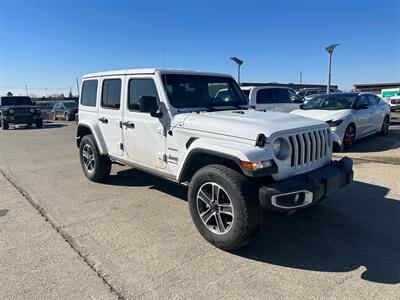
(65, 110)
(19, 110)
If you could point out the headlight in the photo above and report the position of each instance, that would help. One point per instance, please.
(10, 111)
(276, 147)
(32, 110)
(256, 165)
(332, 123)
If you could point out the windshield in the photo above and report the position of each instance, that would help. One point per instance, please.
(15, 101)
(188, 91)
(331, 102)
(70, 104)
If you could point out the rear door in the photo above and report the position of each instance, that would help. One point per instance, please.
(110, 113)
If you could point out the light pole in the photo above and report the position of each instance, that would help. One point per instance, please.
(239, 62)
(330, 49)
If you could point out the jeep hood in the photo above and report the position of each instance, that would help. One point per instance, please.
(246, 124)
(322, 114)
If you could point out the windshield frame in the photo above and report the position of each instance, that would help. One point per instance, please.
(224, 79)
(317, 97)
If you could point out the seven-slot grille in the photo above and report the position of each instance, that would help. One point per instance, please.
(308, 147)
(22, 111)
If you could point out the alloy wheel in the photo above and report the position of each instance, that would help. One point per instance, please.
(349, 136)
(214, 207)
(88, 158)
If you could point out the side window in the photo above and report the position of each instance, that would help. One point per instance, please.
(294, 98)
(363, 100)
(138, 88)
(281, 96)
(372, 100)
(111, 93)
(89, 93)
(265, 96)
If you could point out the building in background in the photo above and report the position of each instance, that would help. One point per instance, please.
(295, 86)
(375, 88)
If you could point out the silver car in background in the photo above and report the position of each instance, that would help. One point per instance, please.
(350, 115)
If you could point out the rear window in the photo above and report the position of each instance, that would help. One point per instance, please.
(111, 94)
(89, 93)
(15, 100)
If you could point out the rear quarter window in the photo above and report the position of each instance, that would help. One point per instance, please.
(89, 93)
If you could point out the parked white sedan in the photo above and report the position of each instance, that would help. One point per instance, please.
(350, 115)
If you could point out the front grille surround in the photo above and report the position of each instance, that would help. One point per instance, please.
(22, 111)
(309, 147)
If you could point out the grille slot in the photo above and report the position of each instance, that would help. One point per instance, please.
(309, 147)
(22, 111)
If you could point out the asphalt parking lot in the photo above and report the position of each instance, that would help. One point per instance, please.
(62, 236)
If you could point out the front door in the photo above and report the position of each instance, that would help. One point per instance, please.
(362, 116)
(144, 135)
(109, 116)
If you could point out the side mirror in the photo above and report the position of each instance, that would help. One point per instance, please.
(148, 104)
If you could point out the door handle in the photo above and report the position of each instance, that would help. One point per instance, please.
(103, 120)
(128, 124)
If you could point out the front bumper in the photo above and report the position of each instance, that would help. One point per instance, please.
(22, 119)
(307, 189)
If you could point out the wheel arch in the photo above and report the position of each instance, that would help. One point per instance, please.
(88, 128)
(199, 158)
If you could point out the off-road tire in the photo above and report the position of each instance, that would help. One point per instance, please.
(102, 166)
(244, 199)
(385, 126)
(39, 123)
(4, 124)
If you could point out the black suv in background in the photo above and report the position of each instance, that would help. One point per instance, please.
(65, 110)
(19, 110)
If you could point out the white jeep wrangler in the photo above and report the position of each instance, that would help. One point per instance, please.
(235, 160)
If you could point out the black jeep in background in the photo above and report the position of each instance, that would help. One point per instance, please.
(19, 110)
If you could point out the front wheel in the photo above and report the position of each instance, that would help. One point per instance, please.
(95, 166)
(385, 126)
(224, 206)
(39, 123)
(4, 124)
(349, 136)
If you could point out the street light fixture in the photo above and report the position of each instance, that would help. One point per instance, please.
(330, 49)
(239, 62)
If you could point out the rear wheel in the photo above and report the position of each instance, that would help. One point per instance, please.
(224, 206)
(95, 166)
(349, 136)
(53, 117)
(385, 126)
(67, 118)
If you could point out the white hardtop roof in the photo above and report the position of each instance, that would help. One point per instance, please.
(264, 87)
(152, 71)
